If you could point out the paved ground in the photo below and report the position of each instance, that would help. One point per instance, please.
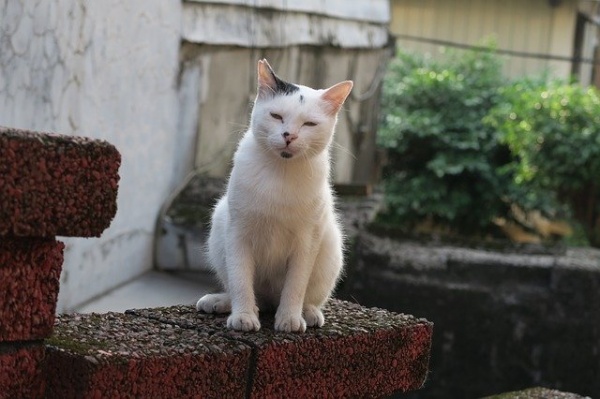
(151, 290)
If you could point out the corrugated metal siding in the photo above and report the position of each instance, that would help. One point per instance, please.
(530, 27)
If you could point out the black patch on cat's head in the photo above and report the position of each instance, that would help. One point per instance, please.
(301, 99)
(283, 87)
(270, 84)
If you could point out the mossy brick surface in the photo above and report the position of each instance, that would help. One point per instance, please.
(537, 393)
(53, 185)
(359, 352)
(21, 370)
(29, 283)
(118, 355)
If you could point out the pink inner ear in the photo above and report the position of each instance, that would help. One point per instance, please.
(337, 94)
(266, 80)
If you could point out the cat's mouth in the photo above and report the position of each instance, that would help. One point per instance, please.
(286, 155)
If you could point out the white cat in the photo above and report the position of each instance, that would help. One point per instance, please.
(275, 239)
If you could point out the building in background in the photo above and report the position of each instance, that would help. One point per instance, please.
(560, 36)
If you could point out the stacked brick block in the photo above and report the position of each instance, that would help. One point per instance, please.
(53, 185)
(49, 185)
(177, 352)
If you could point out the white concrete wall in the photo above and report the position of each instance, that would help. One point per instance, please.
(104, 69)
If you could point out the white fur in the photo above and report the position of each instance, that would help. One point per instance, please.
(275, 240)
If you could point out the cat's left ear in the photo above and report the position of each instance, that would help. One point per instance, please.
(336, 95)
(267, 80)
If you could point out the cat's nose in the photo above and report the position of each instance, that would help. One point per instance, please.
(289, 137)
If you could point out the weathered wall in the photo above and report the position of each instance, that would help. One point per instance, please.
(220, 125)
(503, 320)
(103, 69)
(313, 43)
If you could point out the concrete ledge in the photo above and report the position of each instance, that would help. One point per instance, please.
(121, 355)
(21, 371)
(508, 319)
(29, 283)
(537, 393)
(157, 352)
(56, 185)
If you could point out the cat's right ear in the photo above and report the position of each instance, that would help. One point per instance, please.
(267, 81)
(336, 95)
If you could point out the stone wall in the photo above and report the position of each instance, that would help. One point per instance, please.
(505, 319)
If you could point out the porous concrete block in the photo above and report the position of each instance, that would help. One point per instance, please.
(537, 393)
(53, 185)
(29, 283)
(117, 355)
(359, 352)
(21, 370)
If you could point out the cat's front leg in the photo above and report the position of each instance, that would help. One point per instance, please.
(289, 317)
(214, 303)
(240, 276)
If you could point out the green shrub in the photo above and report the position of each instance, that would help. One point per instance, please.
(553, 129)
(444, 162)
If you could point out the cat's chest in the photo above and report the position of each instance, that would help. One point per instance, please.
(273, 216)
(277, 193)
(271, 239)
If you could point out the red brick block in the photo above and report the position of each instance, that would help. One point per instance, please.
(21, 371)
(359, 352)
(123, 356)
(56, 185)
(29, 282)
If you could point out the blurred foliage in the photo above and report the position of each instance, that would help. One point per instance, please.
(553, 129)
(464, 144)
(443, 159)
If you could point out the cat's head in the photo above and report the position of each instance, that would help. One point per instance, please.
(294, 121)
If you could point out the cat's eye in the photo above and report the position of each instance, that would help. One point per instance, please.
(277, 116)
(310, 124)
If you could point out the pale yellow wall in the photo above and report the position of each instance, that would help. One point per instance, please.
(531, 26)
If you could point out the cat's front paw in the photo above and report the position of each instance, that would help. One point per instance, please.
(214, 303)
(243, 321)
(288, 322)
(313, 316)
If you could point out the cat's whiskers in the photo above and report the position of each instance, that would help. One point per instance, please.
(310, 164)
(239, 128)
(345, 150)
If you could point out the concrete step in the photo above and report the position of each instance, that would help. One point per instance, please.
(153, 289)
